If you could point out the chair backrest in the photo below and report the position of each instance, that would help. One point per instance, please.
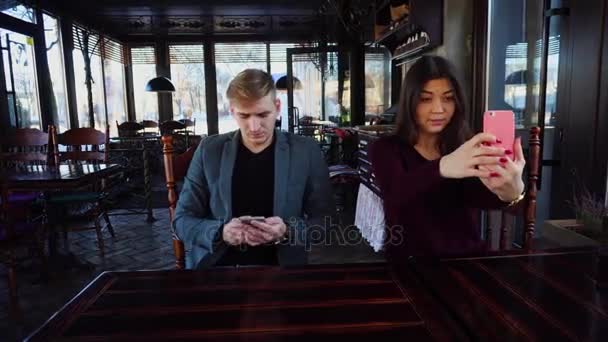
(81, 144)
(176, 168)
(128, 128)
(187, 122)
(169, 126)
(149, 124)
(25, 146)
(505, 219)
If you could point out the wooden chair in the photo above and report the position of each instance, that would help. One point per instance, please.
(21, 220)
(179, 133)
(129, 128)
(505, 220)
(176, 168)
(84, 145)
(24, 146)
(189, 123)
(150, 124)
(170, 126)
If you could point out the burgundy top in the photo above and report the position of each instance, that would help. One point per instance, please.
(426, 214)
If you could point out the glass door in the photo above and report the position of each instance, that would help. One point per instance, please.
(308, 72)
(524, 50)
(21, 81)
(320, 86)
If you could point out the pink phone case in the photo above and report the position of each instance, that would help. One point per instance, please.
(501, 123)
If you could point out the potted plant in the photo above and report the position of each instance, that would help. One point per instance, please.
(591, 213)
(589, 228)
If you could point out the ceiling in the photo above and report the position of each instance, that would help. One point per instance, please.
(192, 7)
(139, 17)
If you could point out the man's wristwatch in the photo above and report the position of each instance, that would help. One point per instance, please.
(284, 238)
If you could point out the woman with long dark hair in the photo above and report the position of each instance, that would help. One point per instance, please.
(434, 175)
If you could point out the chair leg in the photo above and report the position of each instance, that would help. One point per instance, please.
(39, 248)
(15, 310)
(99, 236)
(66, 242)
(108, 223)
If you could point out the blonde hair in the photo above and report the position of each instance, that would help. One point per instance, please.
(251, 85)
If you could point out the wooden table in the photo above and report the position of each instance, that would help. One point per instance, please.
(549, 297)
(41, 178)
(47, 178)
(364, 302)
(514, 298)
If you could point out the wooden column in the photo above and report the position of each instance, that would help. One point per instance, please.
(357, 83)
(48, 107)
(211, 89)
(480, 40)
(70, 83)
(5, 120)
(165, 100)
(129, 84)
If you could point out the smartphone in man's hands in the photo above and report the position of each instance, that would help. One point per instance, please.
(248, 219)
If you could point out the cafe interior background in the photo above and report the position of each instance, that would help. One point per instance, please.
(88, 64)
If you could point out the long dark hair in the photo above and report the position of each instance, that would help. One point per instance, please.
(426, 69)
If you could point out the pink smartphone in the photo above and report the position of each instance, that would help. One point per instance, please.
(501, 123)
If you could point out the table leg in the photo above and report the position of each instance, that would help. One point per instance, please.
(148, 186)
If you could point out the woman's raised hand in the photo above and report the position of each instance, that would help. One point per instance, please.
(475, 152)
(506, 181)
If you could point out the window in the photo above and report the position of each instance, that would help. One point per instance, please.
(230, 59)
(377, 82)
(188, 76)
(278, 68)
(515, 43)
(143, 60)
(56, 68)
(21, 12)
(306, 68)
(332, 105)
(86, 43)
(114, 72)
(21, 84)
(514, 61)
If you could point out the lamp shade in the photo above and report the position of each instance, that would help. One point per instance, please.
(282, 83)
(517, 77)
(160, 84)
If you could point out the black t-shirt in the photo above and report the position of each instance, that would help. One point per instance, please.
(252, 194)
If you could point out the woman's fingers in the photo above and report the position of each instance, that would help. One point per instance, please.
(482, 138)
(472, 172)
(486, 161)
(518, 153)
(488, 151)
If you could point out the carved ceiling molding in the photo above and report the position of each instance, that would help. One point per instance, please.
(214, 24)
(245, 24)
(198, 24)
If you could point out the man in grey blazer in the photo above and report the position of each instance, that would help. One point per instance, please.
(256, 195)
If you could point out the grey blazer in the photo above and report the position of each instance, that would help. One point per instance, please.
(302, 196)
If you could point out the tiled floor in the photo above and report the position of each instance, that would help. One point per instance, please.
(137, 246)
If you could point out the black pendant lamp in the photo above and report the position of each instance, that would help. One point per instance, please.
(160, 85)
(282, 83)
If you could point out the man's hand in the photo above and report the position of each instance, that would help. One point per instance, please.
(272, 229)
(234, 232)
